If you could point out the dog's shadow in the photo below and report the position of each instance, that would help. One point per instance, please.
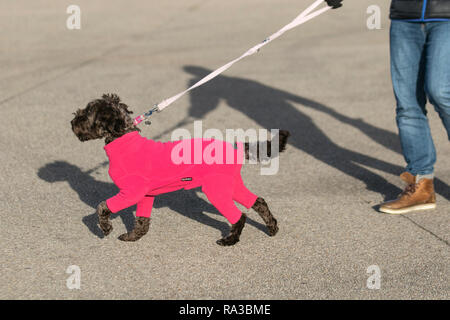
(92, 191)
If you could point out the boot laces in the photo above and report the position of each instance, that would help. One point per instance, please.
(410, 190)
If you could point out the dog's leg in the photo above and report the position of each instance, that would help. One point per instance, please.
(235, 232)
(103, 214)
(262, 208)
(141, 227)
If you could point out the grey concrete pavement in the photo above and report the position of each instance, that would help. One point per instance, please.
(326, 81)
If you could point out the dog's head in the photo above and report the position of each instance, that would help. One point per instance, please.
(102, 118)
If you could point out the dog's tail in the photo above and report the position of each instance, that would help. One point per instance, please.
(282, 137)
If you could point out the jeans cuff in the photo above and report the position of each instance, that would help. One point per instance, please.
(424, 176)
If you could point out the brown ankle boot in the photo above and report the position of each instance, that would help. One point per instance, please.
(416, 196)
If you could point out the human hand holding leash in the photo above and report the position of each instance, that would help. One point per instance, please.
(334, 4)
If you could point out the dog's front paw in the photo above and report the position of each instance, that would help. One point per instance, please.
(106, 227)
(228, 241)
(128, 237)
(103, 214)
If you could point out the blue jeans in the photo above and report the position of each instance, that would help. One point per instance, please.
(420, 69)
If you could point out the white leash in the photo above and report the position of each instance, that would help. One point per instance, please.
(302, 18)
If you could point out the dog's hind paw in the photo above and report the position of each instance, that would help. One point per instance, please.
(273, 228)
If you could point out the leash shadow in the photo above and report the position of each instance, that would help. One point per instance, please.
(273, 108)
(92, 191)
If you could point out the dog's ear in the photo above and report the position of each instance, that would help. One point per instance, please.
(116, 126)
(113, 120)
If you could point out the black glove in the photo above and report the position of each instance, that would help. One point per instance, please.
(334, 3)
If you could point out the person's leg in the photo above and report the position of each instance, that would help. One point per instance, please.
(408, 69)
(407, 43)
(437, 76)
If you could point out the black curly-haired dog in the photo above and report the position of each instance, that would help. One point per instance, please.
(107, 118)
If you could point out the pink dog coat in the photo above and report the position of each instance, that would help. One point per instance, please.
(143, 168)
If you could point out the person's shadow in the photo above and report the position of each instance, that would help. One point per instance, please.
(273, 108)
(92, 191)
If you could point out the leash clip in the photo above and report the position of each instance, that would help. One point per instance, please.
(146, 115)
(149, 113)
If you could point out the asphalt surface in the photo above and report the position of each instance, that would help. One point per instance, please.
(326, 81)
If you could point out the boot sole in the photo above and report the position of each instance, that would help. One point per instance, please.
(419, 207)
